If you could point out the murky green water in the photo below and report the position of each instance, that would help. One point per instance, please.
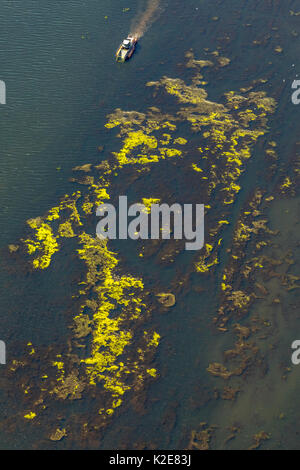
(57, 60)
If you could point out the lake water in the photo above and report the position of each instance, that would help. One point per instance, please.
(57, 60)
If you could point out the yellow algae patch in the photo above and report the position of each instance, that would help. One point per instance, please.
(148, 203)
(117, 403)
(180, 141)
(118, 304)
(87, 207)
(225, 286)
(59, 365)
(189, 94)
(152, 340)
(151, 159)
(30, 415)
(138, 145)
(169, 125)
(45, 243)
(196, 168)
(125, 120)
(94, 252)
(111, 124)
(203, 265)
(133, 140)
(60, 369)
(286, 185)
(177, 87)
(165, 152)
(166, 139)
(152, 372)
(100, 193)
(223, 222)
(53, 213)
(67, 206)
(66, 230)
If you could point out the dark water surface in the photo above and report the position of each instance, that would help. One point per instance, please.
(57, 59)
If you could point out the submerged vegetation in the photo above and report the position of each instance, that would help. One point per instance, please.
(110, 353)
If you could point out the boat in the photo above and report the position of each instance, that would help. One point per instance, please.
(126, 49)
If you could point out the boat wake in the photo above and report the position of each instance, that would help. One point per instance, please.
(145, 19)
